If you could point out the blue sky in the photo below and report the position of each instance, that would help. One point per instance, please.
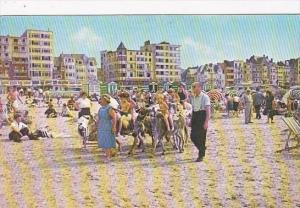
(203, 38)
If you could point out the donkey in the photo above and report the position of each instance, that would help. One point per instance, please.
(87, 129)
(159, 129)
(142, 126)
(180, 130)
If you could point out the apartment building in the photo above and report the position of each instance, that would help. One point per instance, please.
(165, 61)
(13, 58)
(128, 68)
(76, 68)
(40, 54)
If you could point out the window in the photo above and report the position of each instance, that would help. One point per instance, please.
(131, 66)
(15, 47)
(15, 40)
(123, 66)
(149, 59)
(131, 74)
(91, 64)
(23, 48)
(130, 59)
(46, 58)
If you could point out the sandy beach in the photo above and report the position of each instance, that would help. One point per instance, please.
(241, 169)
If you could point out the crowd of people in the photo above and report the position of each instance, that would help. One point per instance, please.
(118, 112)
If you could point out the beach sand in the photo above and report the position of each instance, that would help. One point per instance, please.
(241, 169)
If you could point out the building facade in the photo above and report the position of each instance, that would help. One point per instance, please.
(29, 56)
(76, 68)
(126, 67)
(165, 61)
(133, 68)
(13, 58)
(40, 54)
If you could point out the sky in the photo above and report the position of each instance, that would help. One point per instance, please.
(203, 38)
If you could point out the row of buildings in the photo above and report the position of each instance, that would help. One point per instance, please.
(151, 63)
(30, 57)
(253, 72)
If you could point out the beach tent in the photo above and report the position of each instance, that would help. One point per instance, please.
(112, 87)
(215, 95)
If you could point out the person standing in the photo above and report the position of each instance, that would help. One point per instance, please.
(258, 100)
(248, 106)
(106, 123)
(201, 113)
(83, 104)
(269, 106)
(236, 101)
(182, 93)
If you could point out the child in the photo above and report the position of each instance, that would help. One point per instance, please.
(59, 101)
(50, 112)
(65, 111)
(164, 110)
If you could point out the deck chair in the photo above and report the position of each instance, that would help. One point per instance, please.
(294, 132)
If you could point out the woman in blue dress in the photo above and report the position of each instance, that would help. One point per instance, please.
(106, 126)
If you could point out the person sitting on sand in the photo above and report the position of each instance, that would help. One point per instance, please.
(71, 103)
(65, 112)
(19, 130)
(50, 112)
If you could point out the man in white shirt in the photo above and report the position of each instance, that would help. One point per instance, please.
(248, 101)
(19, 130)
(201, 113)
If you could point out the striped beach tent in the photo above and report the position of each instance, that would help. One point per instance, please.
(215, 95)
(232, 93)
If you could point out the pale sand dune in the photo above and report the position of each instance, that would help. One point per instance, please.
(241, 169)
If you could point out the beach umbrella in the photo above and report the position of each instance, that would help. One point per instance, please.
(232, 93)
(215, 95)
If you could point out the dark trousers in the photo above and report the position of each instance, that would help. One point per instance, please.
(270, 114)
(198, 133)
(257, 111)
(84, 111)
(15, 136)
